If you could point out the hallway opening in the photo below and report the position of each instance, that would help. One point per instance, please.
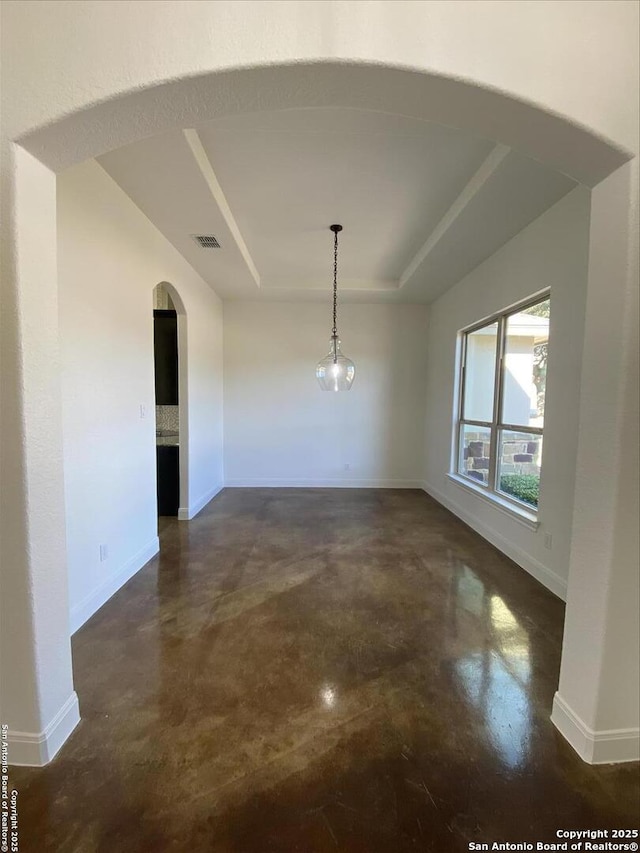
(171, 405)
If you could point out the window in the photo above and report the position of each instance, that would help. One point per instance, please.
(503, 376)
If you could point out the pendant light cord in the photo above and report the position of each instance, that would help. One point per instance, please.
(335, 284)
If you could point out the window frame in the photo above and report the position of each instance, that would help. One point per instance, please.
(490, 489)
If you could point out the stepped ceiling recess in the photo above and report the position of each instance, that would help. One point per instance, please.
(422, 204)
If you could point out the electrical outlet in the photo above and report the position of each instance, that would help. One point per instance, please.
(143, 410)
(347, 467)
(548, 541)
(104, 553)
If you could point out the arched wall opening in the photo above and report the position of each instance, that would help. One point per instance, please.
(44, 693)
(549, 138)
(183, 395)
(109, 388)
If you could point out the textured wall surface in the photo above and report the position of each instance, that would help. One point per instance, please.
(496, 46)
(551, 252)
(107, 246)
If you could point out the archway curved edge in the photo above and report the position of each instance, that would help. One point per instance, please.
(188, 101)
(175, 295)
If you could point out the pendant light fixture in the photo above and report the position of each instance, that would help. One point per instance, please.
(335, 372)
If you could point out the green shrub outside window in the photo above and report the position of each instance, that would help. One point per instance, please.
(525, 487)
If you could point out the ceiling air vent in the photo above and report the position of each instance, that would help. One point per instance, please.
(207, 241)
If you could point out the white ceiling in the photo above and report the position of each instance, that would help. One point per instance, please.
(421, 204)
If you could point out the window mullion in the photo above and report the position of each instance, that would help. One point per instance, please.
(521, 428)
(461, 392)
(463, 378)
(497, 403)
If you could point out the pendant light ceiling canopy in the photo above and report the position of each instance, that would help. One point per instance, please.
(335, 372)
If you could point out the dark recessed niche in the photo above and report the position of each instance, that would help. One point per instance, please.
(165, 350)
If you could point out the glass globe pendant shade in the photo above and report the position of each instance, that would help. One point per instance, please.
(335, 372)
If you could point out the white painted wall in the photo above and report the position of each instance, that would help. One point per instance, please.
(529, 50)
(110, 258)
(282, 429)
(117, 53)
(551, 252)
(36, 683)
(597, 706)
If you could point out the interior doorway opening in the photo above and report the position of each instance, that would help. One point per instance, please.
(171, 433)
(91, 121)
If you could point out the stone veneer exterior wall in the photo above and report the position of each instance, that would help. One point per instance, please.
(521, 454)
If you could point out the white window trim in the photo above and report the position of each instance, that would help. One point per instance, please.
(521, 515)
(519, 512)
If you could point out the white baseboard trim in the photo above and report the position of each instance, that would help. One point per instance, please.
(547, 577)
(186, 513)
(94, 601)
(27, 749)
(251, 483)
(610, 746)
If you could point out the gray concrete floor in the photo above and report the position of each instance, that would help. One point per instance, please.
(319, 670)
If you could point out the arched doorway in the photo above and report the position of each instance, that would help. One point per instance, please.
(42, 692)
(172, 405)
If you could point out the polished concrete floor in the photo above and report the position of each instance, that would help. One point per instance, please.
(319, 670)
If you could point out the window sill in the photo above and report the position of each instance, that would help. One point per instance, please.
(528, 519)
